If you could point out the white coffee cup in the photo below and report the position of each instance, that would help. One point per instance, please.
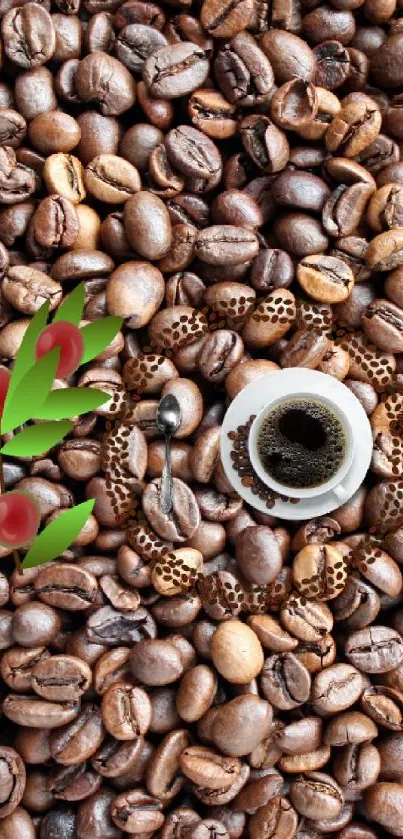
(335, 483)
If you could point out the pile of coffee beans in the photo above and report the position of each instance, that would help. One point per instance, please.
(225, 175)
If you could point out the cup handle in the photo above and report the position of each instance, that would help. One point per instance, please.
(340, 492)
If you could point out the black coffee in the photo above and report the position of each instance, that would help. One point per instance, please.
(301, 443)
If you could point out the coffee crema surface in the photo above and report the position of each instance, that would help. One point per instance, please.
(302, 443)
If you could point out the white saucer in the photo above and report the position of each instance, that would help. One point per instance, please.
(255, 396)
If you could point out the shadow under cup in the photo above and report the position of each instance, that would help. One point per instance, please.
(334, 484)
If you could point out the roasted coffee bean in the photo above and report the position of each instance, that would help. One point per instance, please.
(240, 725)
(111, 179)
(145, 214)
(77, 741)
(110, 628)
(37, 713)
(34, 624)
(285, 681)
(106, 82)
(317, 795)
(333, 64)
(61, 678)
(266, 144)
(126, 711)
(29, 36)
(12, 780)
(27, 289)
(336, 689)
(243, 59)
(65, 587)
(137, 811)
(375, 650)
(183, 520)
(325, 278)
(354, 127)
(175, 70)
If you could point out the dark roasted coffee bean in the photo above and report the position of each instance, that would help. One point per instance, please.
(243, 60)
(266, 144)
(333, 64)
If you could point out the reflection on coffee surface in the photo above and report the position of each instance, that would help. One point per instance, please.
(301, 443)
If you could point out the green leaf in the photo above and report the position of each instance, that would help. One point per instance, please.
(98, 335)
(72, 307)
(26, 353)
(37, 439)
(58, 535)
(31, 392)
(70, 402)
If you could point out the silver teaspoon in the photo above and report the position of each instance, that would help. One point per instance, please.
(168, 421)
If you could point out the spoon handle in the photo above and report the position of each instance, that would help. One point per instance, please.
(166, 479)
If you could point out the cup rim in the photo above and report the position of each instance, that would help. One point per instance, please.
(293, 492)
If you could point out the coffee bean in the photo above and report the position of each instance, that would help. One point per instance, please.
(37, 713)
(29, 36)
(184, 518)
(111, 179)
(61, 678)
(144, 215)
(240, 725)
(135, 43)
(224, 22)
(163, 777)
(27, 289)
(266, 145)
(383, 803)
(56, 222)
(317, 795)
(325, 278)
(126, 711)
(137, 811)
(354, 127)
(63, 175)
(101, 79)
(243, 59)
(375, 650)
(175, 70)
(78, 740)
(65, 587)
(382, 324)
(333, 64)
(111, 628)
(271, 319)
(277, 812)
(307, 348)
(336, 688)
(231, 637)
(136, 301)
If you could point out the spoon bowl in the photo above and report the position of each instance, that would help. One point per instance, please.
(168, 414)
(168, 421)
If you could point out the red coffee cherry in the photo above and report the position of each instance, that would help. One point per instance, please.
(19, 518)
(66, 336)
(4, 383)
